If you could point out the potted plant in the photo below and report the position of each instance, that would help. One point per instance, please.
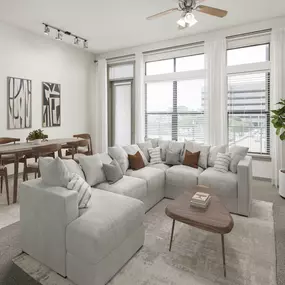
(36, 136)
(278, 121)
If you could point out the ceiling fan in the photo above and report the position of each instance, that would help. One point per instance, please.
(187, 7)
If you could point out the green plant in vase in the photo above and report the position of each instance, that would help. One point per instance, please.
(37, 136)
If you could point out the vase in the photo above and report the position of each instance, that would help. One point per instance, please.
(37, 142)
(282, 183)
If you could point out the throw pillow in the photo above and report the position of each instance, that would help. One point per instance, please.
(177, 146)
(154, 154)
(214, 150)
(144, 148)
(237, 154)
(113, 171)
(172, 157)
(191, 159)
(73, 167)
(198, 147)
(222, 162)
(54, 172)
(93, 169)
(133, 149)
(164, 145)
(154, 142)
(136, 161)
(79, 185)
(118, 153)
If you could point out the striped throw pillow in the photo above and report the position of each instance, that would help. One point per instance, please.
(222, 162)
(155, 156)
(78, 184)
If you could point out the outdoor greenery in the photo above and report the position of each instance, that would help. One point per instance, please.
(278, 120)
(36, 135)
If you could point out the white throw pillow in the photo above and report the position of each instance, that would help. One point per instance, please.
(154, 154)
(78, 184)
(93, 169)
(154, 142)
(214, 150)
(133, 149)
(144, 148)
(237, 154)
(176, 147)
(204, 152)
(164, 145)
(118, 153)
(73, 167)
(222, 162)
(54, 172)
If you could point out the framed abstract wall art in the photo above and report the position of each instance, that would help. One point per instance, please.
(19, 91)
(51, 114)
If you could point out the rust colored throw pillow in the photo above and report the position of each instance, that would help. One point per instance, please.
(136, 161)
(191, 159)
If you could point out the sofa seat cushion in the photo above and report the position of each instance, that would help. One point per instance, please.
(102, 228)
(128, 186)
(161, 166)
(154, 177)
(225, 184)
(183, 176)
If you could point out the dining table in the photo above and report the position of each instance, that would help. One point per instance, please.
(21, 149)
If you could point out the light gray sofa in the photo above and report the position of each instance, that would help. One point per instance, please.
(90, 246)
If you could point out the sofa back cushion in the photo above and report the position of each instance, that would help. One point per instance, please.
(154, 142)
(214, 150)
(93, 169)
(237, 154)
(133, 149)
(118, 153)
(164, 145)
(172, 157)
(113, 171)
(136, 161)
(191, 159)
(154, 154)
(144, 148)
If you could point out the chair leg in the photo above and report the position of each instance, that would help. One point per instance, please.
(25, 176)
(7, 186)
(1, 185)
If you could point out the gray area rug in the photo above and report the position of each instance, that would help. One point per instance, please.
(196, 256)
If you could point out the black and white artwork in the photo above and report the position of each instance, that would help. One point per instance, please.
(19, 103)
(51, 104)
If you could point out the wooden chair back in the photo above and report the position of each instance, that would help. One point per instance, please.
(6, 140)
(73, 146)
(86, 137)
(46, 150)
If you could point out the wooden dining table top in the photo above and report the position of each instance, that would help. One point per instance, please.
(26, 146)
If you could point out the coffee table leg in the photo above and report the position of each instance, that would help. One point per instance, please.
(172, 231)
(224, 258)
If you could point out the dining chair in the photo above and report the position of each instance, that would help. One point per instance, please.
(6, 158)
(87, 150)
(4, 175)
(37, 152)
(73, 148)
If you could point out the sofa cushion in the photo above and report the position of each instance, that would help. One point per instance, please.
(164, 145)
(204, 152)
(172, 157)
(222, 162)
(225, 184)
(118, 153)
(128, 186)
(154, 142)
(237, 154)
(136, 161)
(144, 148)
(177, 146)
(103, 227)
(153, 176)
(161, 166)
(191, 159)
(133, 149)
(113, 171)
(183, 176)
(214, 150)
(155, 155)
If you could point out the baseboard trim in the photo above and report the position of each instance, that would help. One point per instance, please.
(262, 179)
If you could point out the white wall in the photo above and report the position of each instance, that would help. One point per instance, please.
(262, 169)
(25, 55)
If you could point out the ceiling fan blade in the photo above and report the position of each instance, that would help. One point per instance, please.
(212, 11)
(162, 14)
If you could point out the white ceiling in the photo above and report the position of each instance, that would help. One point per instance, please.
(116, 24)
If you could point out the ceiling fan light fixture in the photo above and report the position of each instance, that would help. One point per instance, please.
(190, 19)
(181, 22)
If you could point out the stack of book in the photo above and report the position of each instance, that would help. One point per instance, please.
(200, 200)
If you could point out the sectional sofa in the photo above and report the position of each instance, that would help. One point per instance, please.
(89, 246)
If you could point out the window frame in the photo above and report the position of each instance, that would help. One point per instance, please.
(258, 67)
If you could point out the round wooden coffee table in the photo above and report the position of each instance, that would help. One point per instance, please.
(216, 218)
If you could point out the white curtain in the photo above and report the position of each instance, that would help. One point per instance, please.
(277, 92)
(216, 92)
(139, 99)
(100, 107)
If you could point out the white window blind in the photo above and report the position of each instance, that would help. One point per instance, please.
(249, 98)
(121, 71)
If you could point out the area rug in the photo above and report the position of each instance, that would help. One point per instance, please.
(196, 256)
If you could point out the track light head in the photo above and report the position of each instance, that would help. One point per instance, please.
(76, 41)
(59, 35)
(47, 30)
(85, 44)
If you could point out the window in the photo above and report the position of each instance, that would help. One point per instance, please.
(160, 67)
(249, 100)
(175, 109)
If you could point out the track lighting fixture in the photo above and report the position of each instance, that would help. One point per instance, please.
(60, 33)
